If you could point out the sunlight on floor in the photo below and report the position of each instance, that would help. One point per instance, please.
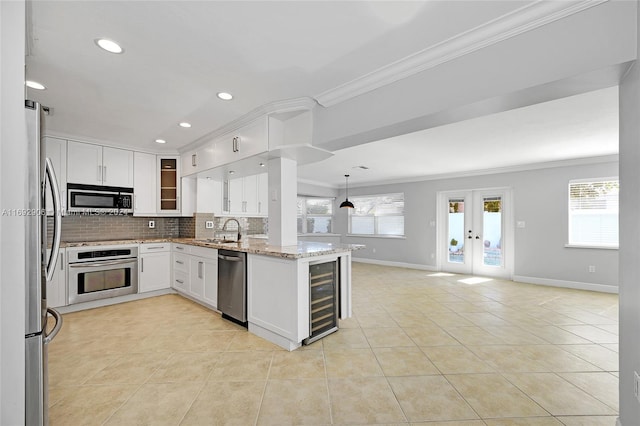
(475, 280)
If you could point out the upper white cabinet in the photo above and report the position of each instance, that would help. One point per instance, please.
(169, 182)
(263, 194)
(57, 152)
(209, 196)
(243, 198)
(144, 184)
(97, 165)
(245, 142)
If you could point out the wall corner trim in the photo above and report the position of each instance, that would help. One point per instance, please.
(602, 288)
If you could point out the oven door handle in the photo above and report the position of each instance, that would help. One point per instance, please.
(106, 263)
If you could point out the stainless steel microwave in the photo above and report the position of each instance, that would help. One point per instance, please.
(99, 199)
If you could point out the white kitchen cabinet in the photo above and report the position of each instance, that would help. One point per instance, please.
(155, 267)
(195, 273)
(144, 184)
(57, 287)
(263, 194)
(243, 196)
(180, 266)
(169, 183)
(245, 142)
(57, 152)
(97, 165)
(209, 196)
(203, 267)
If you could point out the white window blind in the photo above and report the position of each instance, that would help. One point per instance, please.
(377, 215)
(593, 212)
(315, 215)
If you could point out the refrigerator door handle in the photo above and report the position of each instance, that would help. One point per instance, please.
(56, 328)
(57, 219)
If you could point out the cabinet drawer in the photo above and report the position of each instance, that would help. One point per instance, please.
(208, 253)
(181, 248)
(154, 247)
(180, 281)
(180, 263)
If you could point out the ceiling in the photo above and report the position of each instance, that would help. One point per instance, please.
(575, 127)
(179, 54)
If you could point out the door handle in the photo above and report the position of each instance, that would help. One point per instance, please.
(104, 173)
(200, 269)
(193, 160)
(142, 264)
(99, 175)
(57, 219)
(49, 337)
(477, 237)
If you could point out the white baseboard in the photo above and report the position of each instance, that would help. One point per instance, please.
(602, 288)
(396, 264)
(112, 301)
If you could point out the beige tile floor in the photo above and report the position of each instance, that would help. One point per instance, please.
(420, 349)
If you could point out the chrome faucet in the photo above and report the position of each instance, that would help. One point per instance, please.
(224, 227)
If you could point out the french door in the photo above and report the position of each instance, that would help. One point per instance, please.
(475, 235)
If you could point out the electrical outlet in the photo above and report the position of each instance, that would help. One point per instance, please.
(520, 224)
(592, 268)
(208, 224)
(152, 224)
(636, 385)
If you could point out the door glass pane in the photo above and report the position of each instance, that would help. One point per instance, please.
(492, 231)
(455, 236)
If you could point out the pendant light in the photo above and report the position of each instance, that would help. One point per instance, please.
(346, 203)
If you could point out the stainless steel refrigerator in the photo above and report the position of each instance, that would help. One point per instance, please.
(40, 268)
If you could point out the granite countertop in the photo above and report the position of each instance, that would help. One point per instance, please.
(248, 245)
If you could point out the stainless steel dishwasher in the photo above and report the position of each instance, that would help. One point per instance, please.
(232, 285)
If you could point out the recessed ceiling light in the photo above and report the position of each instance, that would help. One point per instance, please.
(161, 141)
(34, 85)
(185, 124)
(225, 96)
(231, 172)
(109, 45)
(262, 164)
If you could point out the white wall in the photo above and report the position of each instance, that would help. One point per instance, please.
(629, 242)
(12, 196)
(540, 199)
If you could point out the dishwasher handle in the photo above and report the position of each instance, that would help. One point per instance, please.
(230, 258)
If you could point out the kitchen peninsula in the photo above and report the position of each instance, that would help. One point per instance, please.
(278, 279)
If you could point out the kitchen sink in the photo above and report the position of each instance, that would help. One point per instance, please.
(218, 240)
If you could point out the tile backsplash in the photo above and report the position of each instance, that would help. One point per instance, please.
(112, 227)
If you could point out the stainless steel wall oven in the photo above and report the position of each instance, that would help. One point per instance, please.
(102, 272)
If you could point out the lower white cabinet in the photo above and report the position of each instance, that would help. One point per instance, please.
(154, 266)
(195, 272)
(57, 287)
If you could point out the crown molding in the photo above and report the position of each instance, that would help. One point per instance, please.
(613, 158)
(526, 18)
(277, 107)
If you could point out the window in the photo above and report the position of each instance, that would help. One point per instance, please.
(315, 215)
(381, 215)
(593, 212)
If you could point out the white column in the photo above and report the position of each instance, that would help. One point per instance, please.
(629, 252)
(13, 195)
(283, 191)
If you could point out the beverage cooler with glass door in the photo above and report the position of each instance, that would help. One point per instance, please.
(323, 300)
